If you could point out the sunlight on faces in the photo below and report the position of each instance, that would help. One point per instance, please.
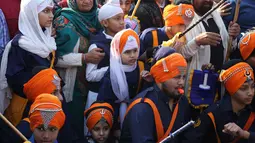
(125, 5)
(129, 57)
(114, 24)
(46, 17)
(85, 5)
(245, 93)
(48, 135)
(101, 131)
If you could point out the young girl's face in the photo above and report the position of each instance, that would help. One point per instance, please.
(129, 57)
(45, 17)
(48, 135)
(100, 132)
(125, 5)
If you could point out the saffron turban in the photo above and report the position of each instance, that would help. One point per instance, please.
(46, 81)
(175, 14)
(46, 110)
(247, 44)
(168, 67)
(234, 77)
(98, 111)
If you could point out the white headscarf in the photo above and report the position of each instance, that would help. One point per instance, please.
(117, 69)
(34, 39)
(109, 10)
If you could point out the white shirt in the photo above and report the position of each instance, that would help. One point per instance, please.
(92, 73)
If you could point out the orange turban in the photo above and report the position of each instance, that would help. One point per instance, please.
(235, 76)
(175, 14)
(46, 81)
(168, 67)
(46, 110)
(96, 112)
(247, 45)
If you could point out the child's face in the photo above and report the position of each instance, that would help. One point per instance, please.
(175, 29)
(45, 17)
(42, 135)
(100, 132)
(125, 5)
(115, 23)
(129, 57)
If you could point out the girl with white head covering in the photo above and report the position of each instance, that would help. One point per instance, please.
(122, 81)
(31, 47)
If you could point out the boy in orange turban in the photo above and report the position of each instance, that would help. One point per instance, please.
(161, 109)
(231, 119)
(176, 17)
(99, 121)
(46, 118)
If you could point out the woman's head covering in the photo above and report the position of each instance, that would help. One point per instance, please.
(235, 74)
(168, 67)
(46, 110)
(98, 112)
(84, 22)
(110, 9)
(46, 81)
(34, 39)
(126, 39)
(176, 14)
(247, 44)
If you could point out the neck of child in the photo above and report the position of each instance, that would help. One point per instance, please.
(160, 1)
(236, 106)
(110, 32)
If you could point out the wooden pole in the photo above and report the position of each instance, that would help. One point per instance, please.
(238, 2)
(13, 127)
(135, 9)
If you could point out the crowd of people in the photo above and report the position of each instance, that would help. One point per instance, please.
(124, 71)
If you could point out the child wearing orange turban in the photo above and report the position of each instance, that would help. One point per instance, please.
(46, 115)
(176, 17)
(99, 120)
(247, 46)
(235, 76)
(46, 81)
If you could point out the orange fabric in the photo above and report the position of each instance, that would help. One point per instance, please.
(141, 68)
(158, 122)
(40, 83)
(48, 102)
(155, 38)
(247, 45)
(172, 62)
(210, 114)
(175, 14)
(98, 111)
(235, 76)
(171, 123)
(124, 37)
(247, 125)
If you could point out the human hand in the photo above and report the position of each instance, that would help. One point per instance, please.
(225, 9)
(94, 56)
(235, 130)
(208, 38)
(146, 76)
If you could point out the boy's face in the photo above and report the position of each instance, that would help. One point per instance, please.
(48, 135)
(100, 132)
(115, 23)
(175, 29)
(245, 93)
(125, 5)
